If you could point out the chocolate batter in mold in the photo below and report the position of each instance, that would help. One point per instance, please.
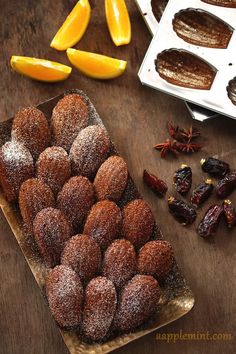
(231, 89)
(182, 68)
(201, 28)
(223, 3)
(158, 7)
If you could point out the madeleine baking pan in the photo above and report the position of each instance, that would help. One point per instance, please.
(194, 44)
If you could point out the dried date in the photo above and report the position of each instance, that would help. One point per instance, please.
(226, 185)
(230, 213)
(215, 167)
(202, 192)
(210, 221)
(183, 179)
(156, 184)
(182, 211)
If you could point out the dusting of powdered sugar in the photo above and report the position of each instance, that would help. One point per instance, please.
(99, 308)
(16, 155)
(89, 150)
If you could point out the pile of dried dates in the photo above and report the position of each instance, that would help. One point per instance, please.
(186, 213)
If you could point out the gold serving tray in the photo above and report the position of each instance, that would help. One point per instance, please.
(177, 298)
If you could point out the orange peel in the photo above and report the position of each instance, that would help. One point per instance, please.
(74, 26)
(95, 65)
(118, 21)
(40, 69)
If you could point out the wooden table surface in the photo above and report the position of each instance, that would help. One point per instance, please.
(136, 118)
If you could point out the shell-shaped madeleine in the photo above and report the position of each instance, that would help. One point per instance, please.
(53, 167)
(34, 196)
(111, 179)
(137, 302)
(69, 116)
(201, 28)
(75, 199)
(119, 262)
(82, 254)
(231, 89)
(51, 230)
(99, 308)
(223, 3)
(30, 127)
(138, 222)
(158, 7)
(64, 293)
(16, 166)
(103, 223)
(89, 150)
(155, 258)
(182, 68)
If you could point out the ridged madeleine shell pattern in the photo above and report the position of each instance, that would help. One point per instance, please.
(34, 196)
(53, 167)
(64, 293)
(99, 308)
(103, 223)
(231, 89)
(182, 68)
(16, 166)
(75, 199)
(138, 222)
(223, 3)
(158, 7)
(111, 179)
(89, 150)
(201, 28)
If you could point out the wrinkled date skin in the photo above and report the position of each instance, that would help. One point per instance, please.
(226, 185)
(183, 179)
(182, 211)
(215, 167)
(230, 213)
(201, 193)
(210, 221)
(156, 184)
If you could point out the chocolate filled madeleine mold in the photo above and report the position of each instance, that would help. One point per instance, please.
(203, 39)
(201, 28)
(158, 7)
(231, 90)
(89, 328)
(223, 3)
(182, 68)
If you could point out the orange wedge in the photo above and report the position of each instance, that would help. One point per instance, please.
(74, 26)
(95, 65)
(118, 21)
(40, 69)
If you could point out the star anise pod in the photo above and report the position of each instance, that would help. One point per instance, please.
(186, 147)
(166, 147)
(182, 135)
(190, 134)
(174, 131)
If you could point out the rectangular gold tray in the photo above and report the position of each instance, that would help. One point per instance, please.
(177, 299)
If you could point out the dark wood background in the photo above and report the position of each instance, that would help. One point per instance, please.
(136, 118)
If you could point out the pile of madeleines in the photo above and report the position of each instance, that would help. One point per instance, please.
(106, 267)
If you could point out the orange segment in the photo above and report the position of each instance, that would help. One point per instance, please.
(74, 26)
(95, 65)
(40, 69)
(118, 21)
